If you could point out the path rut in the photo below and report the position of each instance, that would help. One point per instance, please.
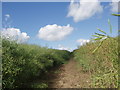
(69, 75)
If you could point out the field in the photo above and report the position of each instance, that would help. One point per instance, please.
(22, 63)
(56, 44)
(102, 65)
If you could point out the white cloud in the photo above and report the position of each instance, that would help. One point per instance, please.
(54, 32)
(7, 21)
(7, 16)
(114, 6)
(61, 47)
(15, 34)
(84, 9)
(82, 41)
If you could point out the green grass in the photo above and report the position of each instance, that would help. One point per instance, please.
(21, 63)
(39, 85)
(103, 64)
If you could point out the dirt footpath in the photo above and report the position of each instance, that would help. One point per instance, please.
(69, 75)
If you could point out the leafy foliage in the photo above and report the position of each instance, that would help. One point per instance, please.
(102, 63)
(116, 14)
(22, 62)
(102, 37)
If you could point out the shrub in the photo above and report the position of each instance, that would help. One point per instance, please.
(103, 64)
(22, 62)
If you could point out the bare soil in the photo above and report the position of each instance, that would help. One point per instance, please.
(68, 75)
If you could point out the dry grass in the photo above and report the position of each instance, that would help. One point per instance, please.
(103, 64)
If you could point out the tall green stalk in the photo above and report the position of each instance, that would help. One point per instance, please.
(101, 37)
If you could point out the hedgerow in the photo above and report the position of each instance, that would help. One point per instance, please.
(100, 59)
(22, 62)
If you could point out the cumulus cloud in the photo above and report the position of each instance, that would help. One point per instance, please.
(15, 34)
(82, 41)
(115, 5)
(61, 47)
(84, 9)
(54, 32)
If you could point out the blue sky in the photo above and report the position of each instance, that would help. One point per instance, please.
(30, 17)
